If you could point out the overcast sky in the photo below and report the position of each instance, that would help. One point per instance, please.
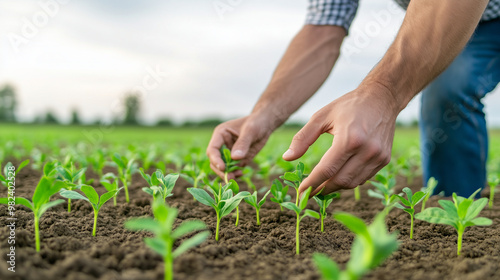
(211, 58)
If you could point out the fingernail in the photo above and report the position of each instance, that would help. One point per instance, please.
(288, 153)
(238, 153)
(218, 166)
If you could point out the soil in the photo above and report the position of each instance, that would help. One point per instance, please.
(68, 251)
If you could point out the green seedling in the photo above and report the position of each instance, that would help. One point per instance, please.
(71, 176)
(406, 168)
(493, 182)
(8, 178)
(248, 173)
(428, 190)
(39, 204)
(195, 172)
(411, 200)
(97, 161)
(357, 193)
(323, 202)
(384, 185)
(147, 157)
(280, 193)
(460, 214)
(166, 236)
(371, 247)
(252, 200)
(38, 158)
(160, 186)
(224, 201)
(294, 179)
(264, 171)
(110, 182)
(92, 197)
(230, 166)
(126, 168)
(298, 210)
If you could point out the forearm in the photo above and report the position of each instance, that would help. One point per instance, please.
(432, 35)
(304, 67)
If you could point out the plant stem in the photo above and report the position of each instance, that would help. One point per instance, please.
(411, 226)
(357, 194)
(225, 178)
(423, 204)
(114, 200)
(281, 208)
(169, 261)
(492, 196)
(459, 242)
(258, 219)
(217, 229)
(297, 199)
(322, 226)
(37, 234)
(126, 190)
(237, 216)
(69, 205)
(95, 223)
(297, 237)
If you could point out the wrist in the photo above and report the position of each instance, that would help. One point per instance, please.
(270, 118)
(395, 104)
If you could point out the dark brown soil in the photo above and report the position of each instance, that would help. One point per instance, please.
(244, 252)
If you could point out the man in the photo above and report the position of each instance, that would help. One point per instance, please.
(428, 52)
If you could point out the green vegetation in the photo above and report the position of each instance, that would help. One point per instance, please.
(323, 202)
(160, 186)
(294, 179)
(71, 176)
(384, 185)
(493, 182)
(411, 200)
(428, 190)
(257, 204)
(126, 168)
(280, 193)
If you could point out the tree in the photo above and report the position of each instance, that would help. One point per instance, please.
(8, 104)
(75, 117)
(132, 107)
(50, 118)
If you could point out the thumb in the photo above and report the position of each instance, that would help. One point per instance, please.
(302, 140)
(242, 145)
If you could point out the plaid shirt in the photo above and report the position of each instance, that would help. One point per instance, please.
(342, 12)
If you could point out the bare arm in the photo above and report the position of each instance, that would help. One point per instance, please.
(363, 121)
(304, 67)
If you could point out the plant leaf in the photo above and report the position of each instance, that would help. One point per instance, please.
(188, 227)
(143, 223)
(190, 243)
(48, 205)
(291, 206)
(91, 194)
(156, 244)
(202, 196)
(329, 269)
(18, 201)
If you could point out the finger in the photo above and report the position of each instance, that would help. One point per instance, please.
(329, 165)
(242, 144)
(213, 152)
(303, 139)
(217, 171)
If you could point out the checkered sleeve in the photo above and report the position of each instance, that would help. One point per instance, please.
(332, 12)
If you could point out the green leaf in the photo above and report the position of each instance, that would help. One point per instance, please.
(475, 208)
(305, 198)
(463, 208)
(329, 269)
(190, 243)
(202, 196)
(144, 223)
(91, 194)
(409, 211)
(291, 177)
(353, 223)
(263, 200)
(409, 195)
(232, 203)
(22, 165)
(158, 245)
(105, 197)
(450, 209)
(72, 195)
(18, 201)
(64, 173)
(118, 160)
(418, 197)
(48, 205)
(146, 177)
(188, 227)
(310, 213)
(403, 200)
(481, 221)
(371, 193)
(252, 200)
(291, 206)
(436, 216)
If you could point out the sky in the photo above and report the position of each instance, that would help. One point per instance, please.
(189, 59)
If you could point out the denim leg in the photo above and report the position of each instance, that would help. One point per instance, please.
(454, 138)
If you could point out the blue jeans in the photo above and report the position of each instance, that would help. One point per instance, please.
(454, 139)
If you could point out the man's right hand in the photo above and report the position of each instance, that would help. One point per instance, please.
(245, 137)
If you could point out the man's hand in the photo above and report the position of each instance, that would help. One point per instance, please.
(245, 137)
(363, 123)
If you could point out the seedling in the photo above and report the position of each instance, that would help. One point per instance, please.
(357, 193)
(493, 182)
(428, 190)
(126, 168)
(230, 166)
(323, 202)
(110, 182)
(92, 197)
(147, 157)
(38, 158)
(71, 176)
(248, 173)
(39, 203)
(97, 161)
(460, 214)
(298, 210)
(410, 201)
(371, 247)
(280, 193)
(384, 189)
(406, 169)
(165, 236)
(9, 170)
(224, 201)
(195, 172)
(252, 200)
(294, 179)
(160, 186)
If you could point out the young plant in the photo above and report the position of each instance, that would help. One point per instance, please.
(9, 170)
(298, 210)
(248, 173)
(71, 176)
(230, 166)
(493, 182)
(428, 190)
(224, 201)
(38, 158)
(126, 168)
(160, 186)
(410, 201)
(384, 185)
(92, 197)
(357, 193)
(280, 193)
(294, 179)
(40, 202)
(97, 161)
(371, 247)
(166, 236)
(323, 202)
(195, 172)
(460, 214)
(406, 168)
(110, 182)
(252, 200)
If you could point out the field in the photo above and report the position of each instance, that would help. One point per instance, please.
(248, 251)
